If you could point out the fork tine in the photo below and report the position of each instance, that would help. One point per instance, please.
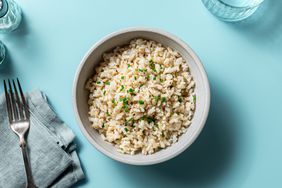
(8, 103)
(14, 106)
(23, 100)
(18, 101)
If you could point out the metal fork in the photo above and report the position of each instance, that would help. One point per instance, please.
(18, 114)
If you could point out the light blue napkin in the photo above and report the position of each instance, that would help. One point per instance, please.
(52, 153)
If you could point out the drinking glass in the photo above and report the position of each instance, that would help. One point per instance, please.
(232, 10)
(10, 16)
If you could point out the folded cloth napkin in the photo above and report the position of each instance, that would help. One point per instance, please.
(52, 153)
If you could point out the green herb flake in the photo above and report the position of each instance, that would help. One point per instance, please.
(140, 70)
(122, 88)
(104, 93)
(114, 102)
(128, 66)
(152, 65)
(126, 129)
(150, 119)
(103, 125)
(131, 119)
(141, 102)
(163, 134)
(194, 98)
(107, 83)
(135, 78)
(163, 99)
(126, 110)
(130, 90)
(157, 98)
(143, 117)
(108, 114)
(147, 77)
(161, 80)
(155, 78)
(122, 77)
(180, 99)
(98, 82)
(141, 85)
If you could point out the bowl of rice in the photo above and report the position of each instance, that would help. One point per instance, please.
(141, 96)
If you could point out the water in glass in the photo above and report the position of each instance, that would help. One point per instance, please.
(232, 10)
(10, 16)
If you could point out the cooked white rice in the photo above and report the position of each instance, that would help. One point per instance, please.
(141, 97)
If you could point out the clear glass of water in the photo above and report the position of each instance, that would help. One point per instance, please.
(232, 10)
(10, 16)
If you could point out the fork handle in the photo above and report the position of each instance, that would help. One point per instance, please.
(30, 183)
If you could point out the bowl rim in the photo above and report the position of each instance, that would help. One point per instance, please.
(202, 73)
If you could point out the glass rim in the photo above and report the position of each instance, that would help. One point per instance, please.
(246, 7)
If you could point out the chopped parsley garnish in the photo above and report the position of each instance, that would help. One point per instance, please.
(98, 82)
(140, 70)
(194, 98)
(107, 83)
(103, 125)
(126, 129)
(163, 99)
(114, 102)
(108, 114)
(129, 121)
(147, 77)
(122, 87)
(152, 65)
(157, 98)
(141, 102)
(104, 93)
(161, 80)
(155, 78)
(128, 66)
(125, 103)
(130, 90)
(141, 85)
(150, 119)
(135, 78)
(180, 99)
(122, 77)
(143, 117)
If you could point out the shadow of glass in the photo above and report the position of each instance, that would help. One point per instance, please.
(6, 68)
(264, 26)
(207, 161)
(22, 30)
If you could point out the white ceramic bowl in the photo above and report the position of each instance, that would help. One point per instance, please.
(92, 58)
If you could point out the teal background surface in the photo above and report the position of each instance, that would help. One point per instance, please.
(241, 143)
